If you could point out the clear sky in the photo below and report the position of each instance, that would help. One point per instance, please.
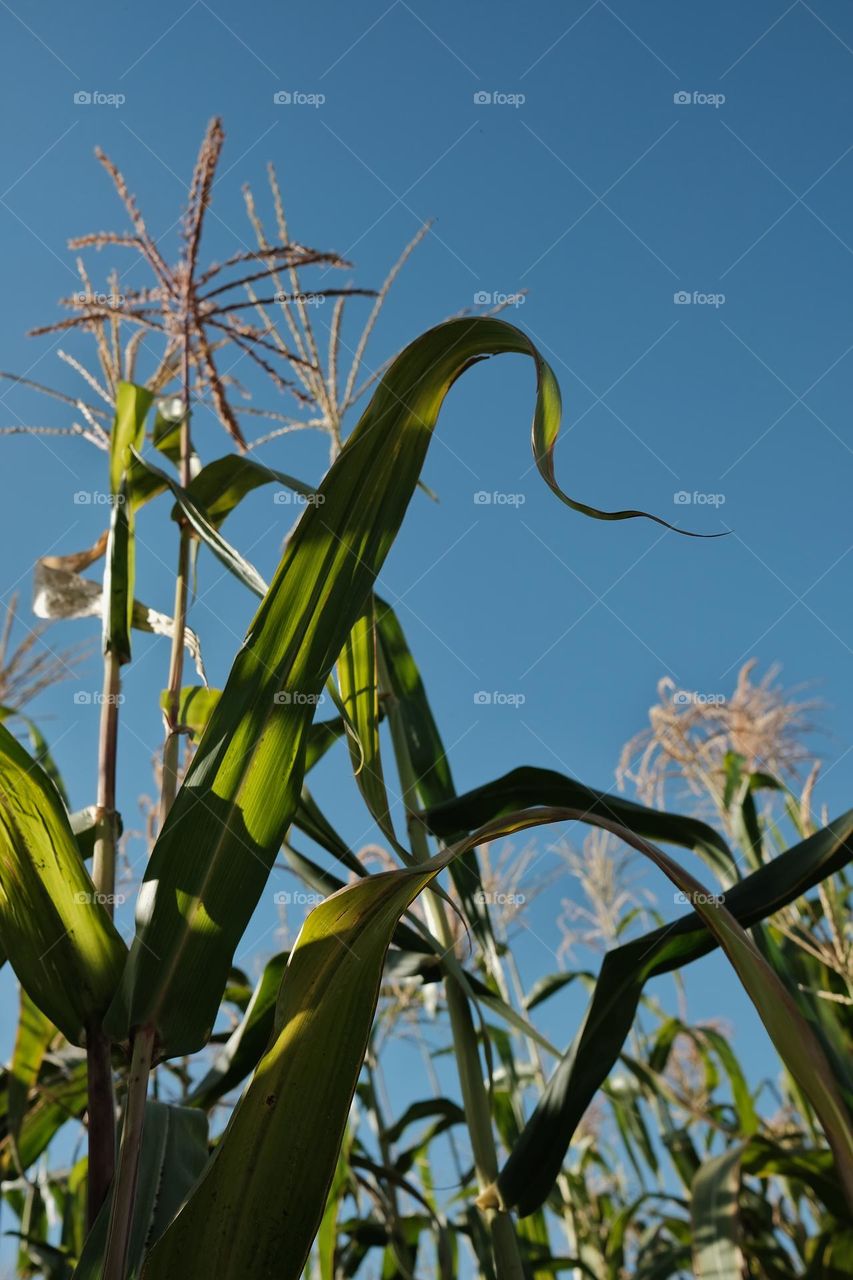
(628, 155)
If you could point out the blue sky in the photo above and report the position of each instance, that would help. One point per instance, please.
(628, 155)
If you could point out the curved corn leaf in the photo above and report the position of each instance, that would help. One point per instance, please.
(299, 1099)
(173, 1155)
(529, 785)
(213, 855)
(535, 1163)
(59, 939)
(446, 1112)
(325, 1010)
(223, 483)
(300, 1096)
(209, 534)
(550, 985)
(40, 750)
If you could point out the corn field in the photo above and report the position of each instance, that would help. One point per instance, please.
(168, 1113)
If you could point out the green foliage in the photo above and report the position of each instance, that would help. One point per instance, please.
(643, 1150)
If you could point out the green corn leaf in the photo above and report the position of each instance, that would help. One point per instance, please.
(227, 555)
(412, 718)
(174, 1153)
(245, 1047)
(132, 405)
(533, 1166)
(429, 759)
(34, 1036)
(548, 986)
(195, 706)
(449, 1113)
(715, 1217)
(128, 433)
(222, 484)
(198, 701)
(60, 941)
(527, 785)
(40, 749)
(212, 858)
(61, 1095)
(85, 826)
(358, 678)
(300, 1096)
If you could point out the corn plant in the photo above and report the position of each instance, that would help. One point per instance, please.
(100, 1020)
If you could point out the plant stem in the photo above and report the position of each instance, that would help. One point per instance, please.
(171, 747)
(124, 1195)
(104, 861)
(101, 1124)
(475, 1097)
